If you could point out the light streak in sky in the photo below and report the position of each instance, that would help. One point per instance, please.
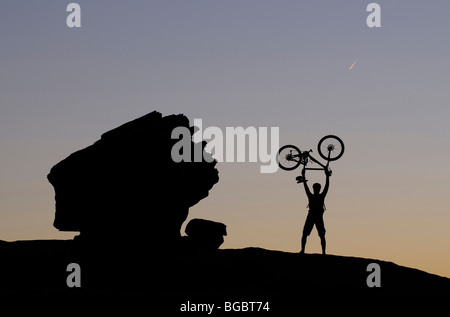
(350, 68)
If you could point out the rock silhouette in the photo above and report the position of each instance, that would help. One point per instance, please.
(127, 186)
(204, 234)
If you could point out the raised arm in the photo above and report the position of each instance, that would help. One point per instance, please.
(327, 183)
(308, 192)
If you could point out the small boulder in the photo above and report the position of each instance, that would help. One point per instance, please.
(205, 235)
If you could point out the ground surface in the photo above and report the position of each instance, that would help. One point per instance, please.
(166, 282)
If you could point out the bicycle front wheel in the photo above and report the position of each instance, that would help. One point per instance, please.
(331, 148)
(288, 157)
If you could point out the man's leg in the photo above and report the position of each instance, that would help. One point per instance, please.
(323, 243)
(309, 224)
(321, 230)
(304, 237)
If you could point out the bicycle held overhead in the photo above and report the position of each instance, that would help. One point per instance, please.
(330, 148)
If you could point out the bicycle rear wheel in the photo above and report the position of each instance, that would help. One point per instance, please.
(331, 148)
(288, 157)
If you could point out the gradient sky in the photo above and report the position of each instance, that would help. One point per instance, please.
(244, 63)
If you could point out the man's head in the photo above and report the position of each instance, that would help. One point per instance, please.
(316, 188)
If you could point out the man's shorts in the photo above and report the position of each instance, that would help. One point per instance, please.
(314, 218)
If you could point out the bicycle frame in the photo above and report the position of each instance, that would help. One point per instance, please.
(307, 155)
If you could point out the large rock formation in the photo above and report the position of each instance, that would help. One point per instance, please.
(126, 184)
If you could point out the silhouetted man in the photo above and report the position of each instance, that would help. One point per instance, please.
(316, 210)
